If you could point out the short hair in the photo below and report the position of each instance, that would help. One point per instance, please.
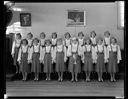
(30, 34)
(92, 32)
(43, 34)
(18, 34)
(100, 39)
(113, 38)
(81, 33)
(67, 33)
(24, 40)
(106, 32)
(54, 33)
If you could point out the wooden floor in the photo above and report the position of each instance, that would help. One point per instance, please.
(65, 88)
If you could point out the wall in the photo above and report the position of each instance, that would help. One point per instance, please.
(51, 17)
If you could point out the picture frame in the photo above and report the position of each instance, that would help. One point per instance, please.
(76, 18)
(25, 19)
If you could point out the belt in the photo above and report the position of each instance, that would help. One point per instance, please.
(43, 45)
(53, 45)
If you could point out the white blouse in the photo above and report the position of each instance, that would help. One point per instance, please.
(24, 49)
(42, 42)
(16, 43)
(107, 40)
(87, 48)
(36, 48)
(114, 48)
(81, 41)
(67, 42)
(74, 48)
(30, 42)
(101, 48)
(47, 49)
(60, 48)
(54, 41)
(93, 40)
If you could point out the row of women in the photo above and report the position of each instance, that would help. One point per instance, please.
(67, 54)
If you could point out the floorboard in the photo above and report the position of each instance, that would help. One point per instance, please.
(65, 88)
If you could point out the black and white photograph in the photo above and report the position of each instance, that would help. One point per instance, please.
(76, 18)
(25, 19)
(64, 49)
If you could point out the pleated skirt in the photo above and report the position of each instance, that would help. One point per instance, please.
(100, 66)
(36, 63)
(60, 62)
(24, 63)
(112, 64)
(74, 67)
(48, 63)
(88, 64)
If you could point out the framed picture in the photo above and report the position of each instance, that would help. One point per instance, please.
(25, 19)
(76, 18)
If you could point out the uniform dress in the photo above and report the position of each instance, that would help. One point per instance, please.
(53, 47)
(81, 43)
(30, 46)
(93, 40)
(47, 57)
(74, 60)
(87, 58)
(23, 58)
(42, 44)
(15, 50)
(30, 42)
(101, 57)
(106, 43)
(60, 57)
(35, 56)
(114, 57)
(67, 43)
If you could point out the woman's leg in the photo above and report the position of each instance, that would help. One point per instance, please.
(61, 76)
(88, 76)
(46, 76)
(76, 76)
(72, 76)
(49, 76)
(58, 76)
(37, 76)
(23, 75)
(111, 74)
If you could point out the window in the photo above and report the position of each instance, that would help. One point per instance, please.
(120, 14)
